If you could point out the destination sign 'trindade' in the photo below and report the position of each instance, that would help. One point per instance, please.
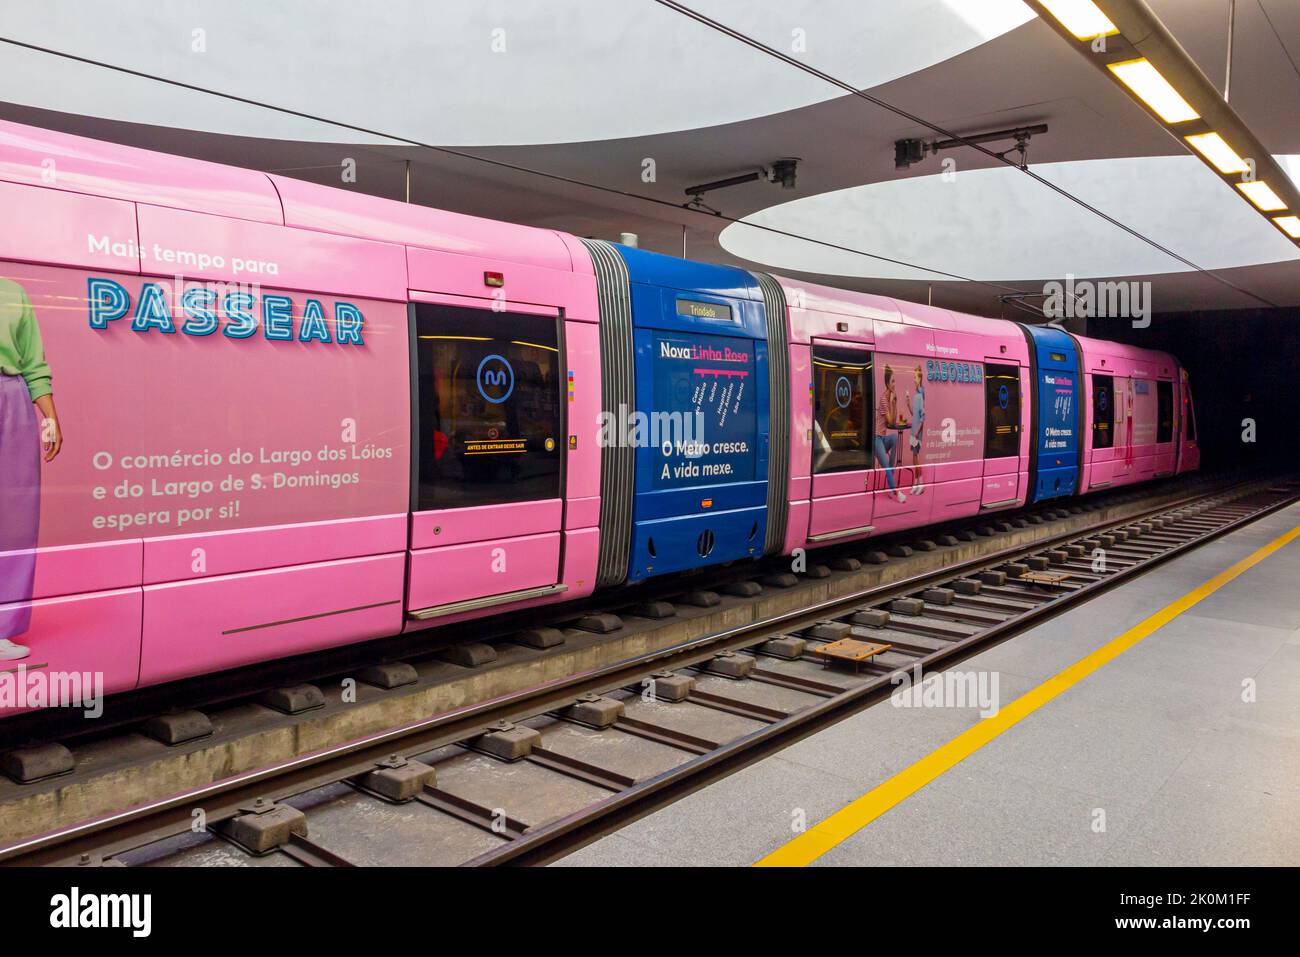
(703, 310)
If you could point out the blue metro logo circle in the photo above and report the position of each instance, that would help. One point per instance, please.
(496, 379)
(843, 392)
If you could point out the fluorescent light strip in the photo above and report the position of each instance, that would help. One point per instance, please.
(1262, 195)
(1150, 86)
(1289, 225)
(1216, 149)
(1081, 17)
(1086, 21)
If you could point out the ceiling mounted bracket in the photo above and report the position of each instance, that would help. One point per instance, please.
(782, 172)
(909, 152)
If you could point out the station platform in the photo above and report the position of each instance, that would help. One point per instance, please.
(1182, 749)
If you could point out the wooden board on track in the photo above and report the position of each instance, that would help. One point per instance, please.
(850, 650)
(1043, 578)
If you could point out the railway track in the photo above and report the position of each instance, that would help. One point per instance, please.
(127, 711)
(528, 779)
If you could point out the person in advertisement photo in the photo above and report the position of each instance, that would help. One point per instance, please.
(916, 437)
(889, 430)
(29, 433)
(176, 471)
(1128, 425)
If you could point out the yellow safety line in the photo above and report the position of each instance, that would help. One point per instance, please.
(847, 821)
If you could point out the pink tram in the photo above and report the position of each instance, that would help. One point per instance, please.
(293, 417)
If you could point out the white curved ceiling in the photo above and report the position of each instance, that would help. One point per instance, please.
(473, 72)
(1000, 225)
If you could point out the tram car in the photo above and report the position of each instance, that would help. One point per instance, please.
(244, 417)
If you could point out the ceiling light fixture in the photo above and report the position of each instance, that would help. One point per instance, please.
(1289, 225)
(1262, 195)
(1152, 66)
(1216, 149)
(1150, 86)
(1082, 18)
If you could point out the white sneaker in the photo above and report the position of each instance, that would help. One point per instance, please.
(901, 497)
(11, 652)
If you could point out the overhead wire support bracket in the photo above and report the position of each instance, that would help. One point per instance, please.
(782, 171)
(909, 152)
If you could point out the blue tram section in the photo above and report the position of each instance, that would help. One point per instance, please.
(1057, 413)
(700, 359)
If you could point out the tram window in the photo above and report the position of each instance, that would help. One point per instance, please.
(1164, 412)
(1103, 411)
(490, 419)
(1002, 411)
(842, 409)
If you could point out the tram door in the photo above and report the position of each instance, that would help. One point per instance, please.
(487, 506)
(1002, 425)
(1103, 431)
(841, 441)
(1189, 457)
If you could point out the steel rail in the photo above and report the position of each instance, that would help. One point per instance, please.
(128, 709)
(170, 816)
(558, 838)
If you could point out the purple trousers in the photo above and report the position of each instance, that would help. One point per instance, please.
(20, 504)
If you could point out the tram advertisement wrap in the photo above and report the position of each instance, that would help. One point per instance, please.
(927, 411)
(1057, 413)
(195, 407)
(704, 417)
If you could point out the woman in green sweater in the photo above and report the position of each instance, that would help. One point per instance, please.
(25, 437)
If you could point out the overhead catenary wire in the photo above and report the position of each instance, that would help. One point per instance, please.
(500, 164)
(849, 88)
(1280, 42)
